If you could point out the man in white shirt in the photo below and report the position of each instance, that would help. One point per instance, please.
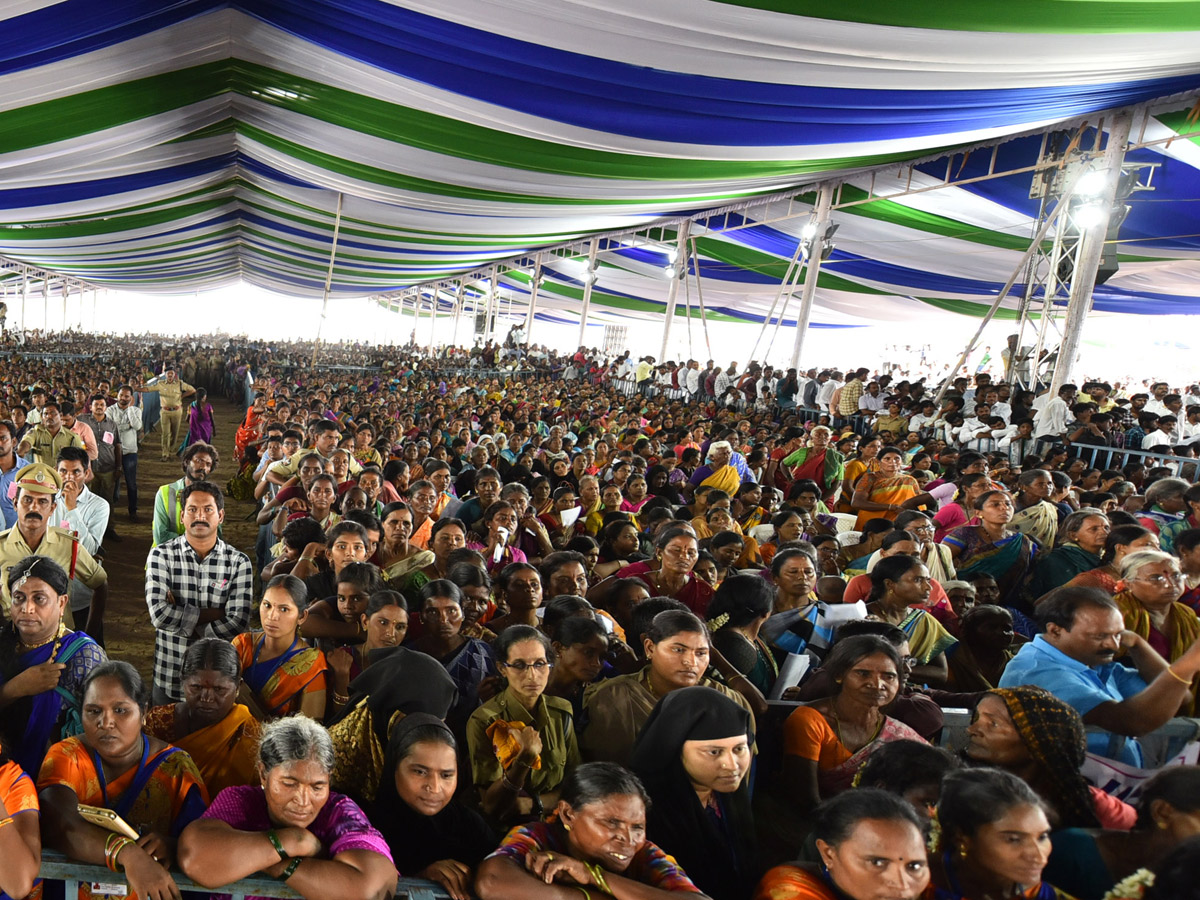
(127, 416)
(1160, 436)
(1052, 421)
(872, 400)
(924, 419)
(828, 389)
(81, 512)
(693, 379)
(1156, 404)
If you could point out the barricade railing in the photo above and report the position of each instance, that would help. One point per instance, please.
(56, 867)
(1117, 458)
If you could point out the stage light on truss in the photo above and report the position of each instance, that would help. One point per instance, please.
(809, 231)
(670, 272)
(1093, 183)
(1089, 215)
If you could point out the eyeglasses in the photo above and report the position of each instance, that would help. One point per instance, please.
(540, 666)
(1172, 577)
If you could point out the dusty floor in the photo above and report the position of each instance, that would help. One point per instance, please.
(127, 630)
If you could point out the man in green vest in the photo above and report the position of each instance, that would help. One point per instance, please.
(199, 461)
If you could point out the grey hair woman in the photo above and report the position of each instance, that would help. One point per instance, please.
(292, 827)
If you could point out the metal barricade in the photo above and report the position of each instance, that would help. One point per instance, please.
(56, 867)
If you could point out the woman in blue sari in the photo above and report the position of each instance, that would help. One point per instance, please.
(993, 548)
(42, 664)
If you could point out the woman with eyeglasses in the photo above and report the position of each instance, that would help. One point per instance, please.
(522, 741)
(1151, 585)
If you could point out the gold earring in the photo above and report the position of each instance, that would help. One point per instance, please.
(566, 827)
(962, 850)
(1162, 826)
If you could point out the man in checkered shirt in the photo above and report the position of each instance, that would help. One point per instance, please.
(196, 586)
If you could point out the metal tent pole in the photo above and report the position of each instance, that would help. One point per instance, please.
(812, 272)
(700, 297)
(534, 286)
(589, 280)
(1088, 263)
(337, 227)
(681, 260)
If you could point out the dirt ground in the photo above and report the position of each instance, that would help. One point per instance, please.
(127, 630)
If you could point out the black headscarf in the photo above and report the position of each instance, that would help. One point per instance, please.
(717, 854)
(415, 839)
(402, 680)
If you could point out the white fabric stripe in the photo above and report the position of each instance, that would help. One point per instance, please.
(730, 41)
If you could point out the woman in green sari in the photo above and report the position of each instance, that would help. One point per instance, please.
(738, 610)
(993, 547)
(1083, 535)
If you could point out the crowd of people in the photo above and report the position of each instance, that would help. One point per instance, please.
(529, 624)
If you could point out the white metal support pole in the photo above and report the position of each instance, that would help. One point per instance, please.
(46, 303)
(681, 265)
(1088, 263)
(534, 286)
(700, 296)
(24, 296)
(459, 299)
(433, 318)
(812, 271)
(337, 227)
(490, 310)
(589, 280)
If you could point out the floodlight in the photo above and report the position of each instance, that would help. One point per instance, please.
(809, 231)
(670, 272)
(1089, 215)
(1092, 184)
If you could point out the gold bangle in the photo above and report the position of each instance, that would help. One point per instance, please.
(1178, 677)
(7, 821)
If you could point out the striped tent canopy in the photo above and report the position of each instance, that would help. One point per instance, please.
(181, 145)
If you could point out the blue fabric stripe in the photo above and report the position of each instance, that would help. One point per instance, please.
(653, 104)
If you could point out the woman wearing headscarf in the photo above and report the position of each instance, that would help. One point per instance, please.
(1031, 733)
(1121, 541)
(693, 755)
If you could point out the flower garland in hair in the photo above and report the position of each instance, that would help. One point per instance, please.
(718, 623)
(935, 833)
(1133, 887)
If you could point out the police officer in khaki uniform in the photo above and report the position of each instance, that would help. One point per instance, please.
(33, 535)
(171, 393)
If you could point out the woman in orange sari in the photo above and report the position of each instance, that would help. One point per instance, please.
(281, 674)
(220, 734)
(883, 494)
(154, 787)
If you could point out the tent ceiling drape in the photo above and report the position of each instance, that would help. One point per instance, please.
(163, 146)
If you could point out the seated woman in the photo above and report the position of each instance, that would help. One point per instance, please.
(912, 771)
(985, 640)
(42, 664)
(883, 494)
(826, 743)
(20, 845)
(1031, 733)
(281, 674)
(469, 661)
(619, 547)
(477, 603)
(1152, 584)
(595, 842)
(993, 547)
(580, 645)
(1121, 541)
(521, 741)
(788, 527)
(521, 594)
(446, 536)
(961, 510)
(725, 548)
(385, 621)
(899, 583)
(397, 557)
(870, 844)
(499, 544)
(217, 732)
(694, 754)
(152, 786)
(430, 834)
(1081, 541)
(995, 839)
(1087, 862)
(676, 552)
(740, 607)
(293, 828)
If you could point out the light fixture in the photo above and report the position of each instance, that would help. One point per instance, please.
(670, 272)
(673, 255)
(1092, 184)
(809, 231)
(1089, 215)
(588, 277)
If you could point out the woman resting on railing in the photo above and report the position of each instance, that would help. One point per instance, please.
(293, 827)
(154, 787)
(20, 837)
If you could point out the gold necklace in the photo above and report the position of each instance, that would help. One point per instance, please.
(62, 629)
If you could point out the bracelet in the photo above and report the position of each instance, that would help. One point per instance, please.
(290, 870)
(341, 699)
(277, 844)
(583, 891)
(1178, 677)
(508, 784)
(7, 821)
(308, 559)
(111, 854)
(598, 876)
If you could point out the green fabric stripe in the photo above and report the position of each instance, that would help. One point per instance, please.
(1017, 16)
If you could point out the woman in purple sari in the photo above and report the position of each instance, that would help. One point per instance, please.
(42, 664)
(201, 425)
